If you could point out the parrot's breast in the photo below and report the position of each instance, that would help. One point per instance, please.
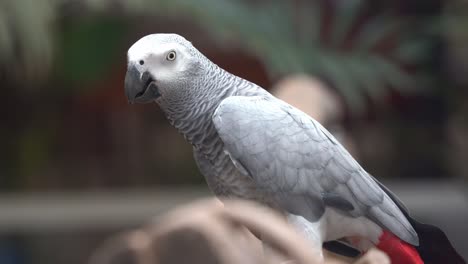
(232, 183)
(223, 177)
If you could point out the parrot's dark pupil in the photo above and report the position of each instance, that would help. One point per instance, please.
(142, 62)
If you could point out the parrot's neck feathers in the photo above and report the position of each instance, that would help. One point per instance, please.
(192, 116)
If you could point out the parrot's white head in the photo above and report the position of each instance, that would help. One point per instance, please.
(161, 67)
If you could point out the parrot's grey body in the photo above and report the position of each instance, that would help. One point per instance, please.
(249, 144)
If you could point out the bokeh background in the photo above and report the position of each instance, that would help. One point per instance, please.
(388, 78)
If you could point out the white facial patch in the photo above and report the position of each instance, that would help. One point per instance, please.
(150, 53)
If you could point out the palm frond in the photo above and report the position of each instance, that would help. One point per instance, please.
(375, 31)
(346, 12)
(392, 75)
(310, 24)
(333, 71)
(366, 76)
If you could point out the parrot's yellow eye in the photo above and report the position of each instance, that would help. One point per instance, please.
(171, 55)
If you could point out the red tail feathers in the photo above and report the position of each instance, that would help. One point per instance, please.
(398, 250)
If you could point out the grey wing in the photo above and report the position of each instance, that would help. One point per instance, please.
(291, 156)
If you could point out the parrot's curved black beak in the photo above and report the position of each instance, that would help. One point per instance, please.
(140, 88)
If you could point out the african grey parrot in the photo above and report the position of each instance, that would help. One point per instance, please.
(249, 144)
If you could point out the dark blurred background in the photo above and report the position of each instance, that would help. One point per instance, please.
(388, 78)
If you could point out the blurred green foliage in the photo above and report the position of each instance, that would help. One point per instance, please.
(286, 35)
(88, 46)
(26, 37)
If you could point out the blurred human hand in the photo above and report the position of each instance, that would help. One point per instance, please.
(207, 231)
